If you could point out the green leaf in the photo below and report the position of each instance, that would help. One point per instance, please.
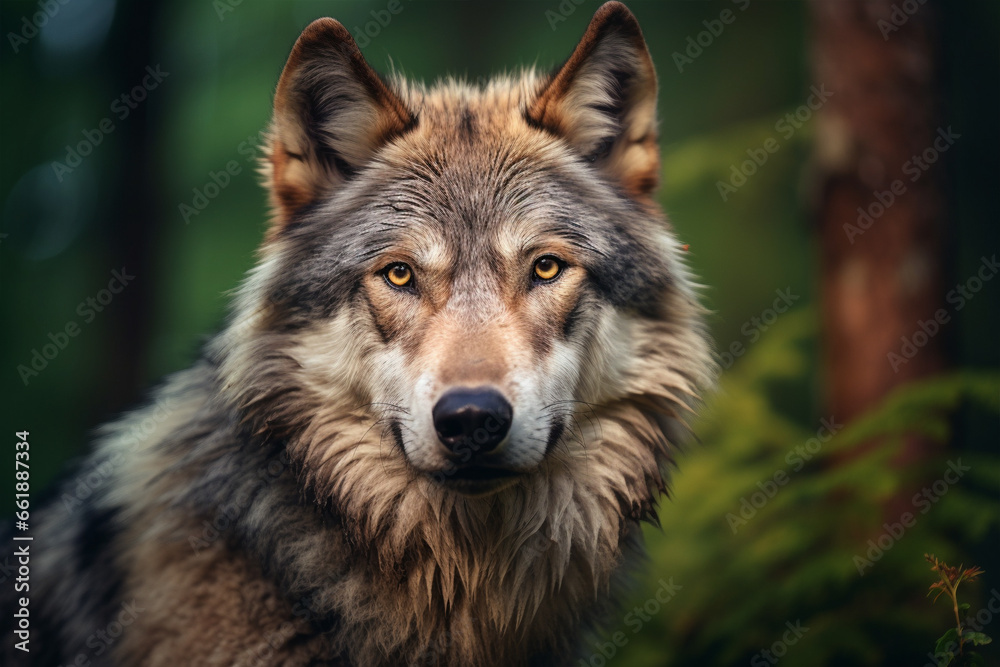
(964, 606)
(974, 660)
(977, 638)
(949, 638)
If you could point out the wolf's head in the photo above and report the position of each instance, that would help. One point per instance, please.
(467, 289)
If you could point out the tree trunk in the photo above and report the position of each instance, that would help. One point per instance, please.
(881, 209)
(135, 211)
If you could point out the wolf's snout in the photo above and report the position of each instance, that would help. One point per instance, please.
(472, 421)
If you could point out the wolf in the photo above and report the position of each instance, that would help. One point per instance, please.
(444, 400)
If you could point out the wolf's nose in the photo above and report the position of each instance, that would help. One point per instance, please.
(476, 420)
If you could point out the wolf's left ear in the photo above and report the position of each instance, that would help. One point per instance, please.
(603, 101)
(332, 112)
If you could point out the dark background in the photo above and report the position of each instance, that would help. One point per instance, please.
(793, 560)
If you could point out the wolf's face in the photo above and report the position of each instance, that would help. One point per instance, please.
(487, 264)
(456, 273)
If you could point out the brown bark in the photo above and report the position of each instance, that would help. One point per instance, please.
(878, 283)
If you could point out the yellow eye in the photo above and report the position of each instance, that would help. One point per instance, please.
(547, 268)
(399, 275)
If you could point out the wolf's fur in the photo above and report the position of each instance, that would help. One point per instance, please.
(285, 501)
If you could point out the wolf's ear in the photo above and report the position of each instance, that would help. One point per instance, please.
(331, 114)
(603, 101)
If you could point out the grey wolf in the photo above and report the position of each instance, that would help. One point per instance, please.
(444, 400)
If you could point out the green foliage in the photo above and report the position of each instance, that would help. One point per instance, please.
(772, 521)
(952, 644)
(794, 558)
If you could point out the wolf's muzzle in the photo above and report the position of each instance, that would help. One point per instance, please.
(471, 422)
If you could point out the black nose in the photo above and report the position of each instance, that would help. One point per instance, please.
(472, 420)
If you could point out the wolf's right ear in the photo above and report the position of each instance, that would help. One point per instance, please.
(602, 101)
(331, 114)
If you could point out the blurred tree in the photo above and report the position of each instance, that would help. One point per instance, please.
(880, 208)
(134, 216)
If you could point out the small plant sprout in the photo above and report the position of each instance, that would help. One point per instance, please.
(952, 644)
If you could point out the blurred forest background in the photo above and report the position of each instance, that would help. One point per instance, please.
(771, 522)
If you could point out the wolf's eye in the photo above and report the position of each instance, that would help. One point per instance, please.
(399, 275)
(547, 268)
